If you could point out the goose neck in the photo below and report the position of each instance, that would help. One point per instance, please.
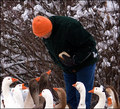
(101, 101)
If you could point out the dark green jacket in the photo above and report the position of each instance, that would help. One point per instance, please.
(70, 36)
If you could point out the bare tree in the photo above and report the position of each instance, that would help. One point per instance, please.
(24, 56)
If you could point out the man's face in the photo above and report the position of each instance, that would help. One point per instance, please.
(47, 35)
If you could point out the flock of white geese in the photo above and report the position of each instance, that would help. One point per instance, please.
(39, 95)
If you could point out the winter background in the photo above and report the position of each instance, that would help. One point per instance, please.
(24, 56)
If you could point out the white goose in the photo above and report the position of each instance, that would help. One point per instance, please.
(102, 97)
(17, 95)
(8, 99)
(46, 93)
(113, 99)
(81, 89)
(28, 101)
(25, 93)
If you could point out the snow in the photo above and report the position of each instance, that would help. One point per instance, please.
(7, 36)
(91, 11)
(39, 8)
(15, 22)
(107, 33)
(8, 65)
(25, 15)
(17, 8)
(50, 5)
(114, 32)
(25, 2)
(78, 9)
(5, 52)
(111, 5)
(112, 58)
(107, 17)
(6, 13)
(102, 45)
(105, 63)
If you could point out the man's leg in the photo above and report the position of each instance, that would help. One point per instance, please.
(86, 75)
(70, 90)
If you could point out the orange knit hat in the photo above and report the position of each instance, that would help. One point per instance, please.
(41, 26)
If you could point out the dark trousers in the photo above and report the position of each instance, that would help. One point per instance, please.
(85, 75)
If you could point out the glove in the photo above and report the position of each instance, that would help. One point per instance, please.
(66, 59)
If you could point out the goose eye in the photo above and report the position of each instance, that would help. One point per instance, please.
(8, 78)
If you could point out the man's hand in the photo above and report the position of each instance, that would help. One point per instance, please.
(66, 59)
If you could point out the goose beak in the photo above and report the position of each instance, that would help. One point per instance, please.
(109, 101)
(48, 72)
(23, 87)
(91, 91)
(14, 79)
(37, 79)
(55, 89)
(74, 85)
(40, 94)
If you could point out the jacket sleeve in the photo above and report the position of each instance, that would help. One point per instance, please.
(53, 58)
(81, 41)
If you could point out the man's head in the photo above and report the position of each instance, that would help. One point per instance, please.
(42, 26)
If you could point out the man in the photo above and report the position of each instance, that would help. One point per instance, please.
(73, 49)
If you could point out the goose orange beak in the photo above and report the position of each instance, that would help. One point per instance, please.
(40, 94)
(55, 89)
(37, 79)
(109, 101)
(74, 85)
(48, 72)
(14, 79)
(23, 87)
(91, 91)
